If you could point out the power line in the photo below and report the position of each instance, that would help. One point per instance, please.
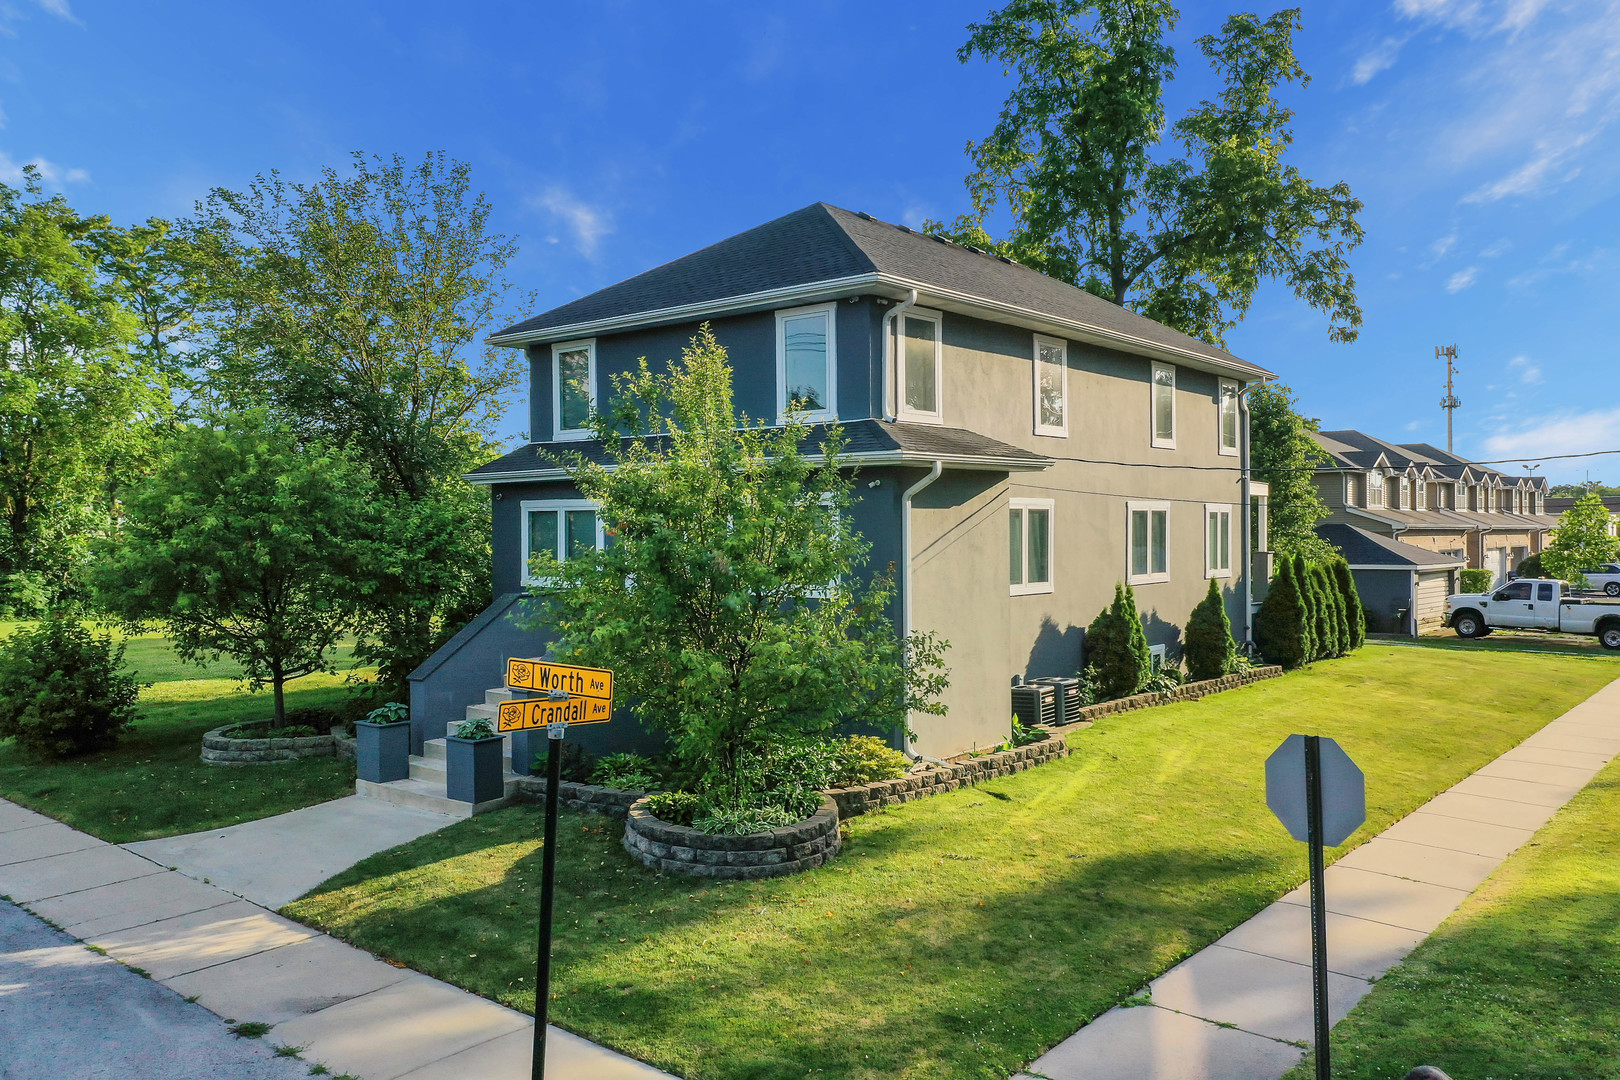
(1235, 468)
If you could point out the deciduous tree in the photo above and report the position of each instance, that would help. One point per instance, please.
(1284, 456)
(1582, 541)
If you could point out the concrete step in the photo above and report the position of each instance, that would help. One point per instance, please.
(486, 712)
(423, 795)
(435, 749)
(433, 770)
(497, 695)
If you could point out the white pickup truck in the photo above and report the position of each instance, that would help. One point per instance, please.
(1533, 604)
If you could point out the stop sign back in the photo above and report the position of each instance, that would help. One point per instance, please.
(1344, 791)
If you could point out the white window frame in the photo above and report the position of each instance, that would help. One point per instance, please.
(782, 317)
(1420, 495)
(562, 506)
(558, 432)
(1057, 430)
(1210, 569)
(1220, 418)
(904, 411)
(1132, 508)
(824, 591)
(1158, 657)
(1153, 412)
(1025, 505)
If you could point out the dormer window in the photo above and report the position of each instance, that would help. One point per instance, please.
(573, 389)
(1375, 489)
(920, 357)
(806, 362)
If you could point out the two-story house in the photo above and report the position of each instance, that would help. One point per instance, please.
(1557, 505)
(1021, 445)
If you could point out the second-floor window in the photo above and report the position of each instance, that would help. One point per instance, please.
(560, 528)
(573, 389)
(1051, 386)
(1375, 488)
(806, 362)
(1164, 406)
(920, 363)
(1147, 542)
(1229, 417)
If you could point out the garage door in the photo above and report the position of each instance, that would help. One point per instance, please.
(1432, 589)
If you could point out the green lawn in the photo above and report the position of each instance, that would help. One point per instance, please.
(1523, 981)
(961, 935)
(153, 783)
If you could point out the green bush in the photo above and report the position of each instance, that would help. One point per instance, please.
(1024, 736)
(864, 759)
(1207, 645)
(1476, 581)
(1333, 618)
(675, 807)
(1111, 655)
(479, 728)
(1139, 645)
(629, 772)
(391, 713)
(321, 718)
(743, 820)
(1531, 567)
(62, 692)
(1279, 628)
(1354, 614)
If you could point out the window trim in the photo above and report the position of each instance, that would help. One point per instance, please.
(1027, 587)
(1222, 386)
(1210, 571)
(1153, 395)
(1132, 507)
(562, 506)
(558, 432)
(782, 317)
(1059, 430)
(904, 411)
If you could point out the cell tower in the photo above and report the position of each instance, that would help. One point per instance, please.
(1451, 403)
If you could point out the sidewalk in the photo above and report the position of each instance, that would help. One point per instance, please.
(349, 1011)
(1241, 1008)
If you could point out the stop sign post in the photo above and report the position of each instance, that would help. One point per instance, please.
(1320, 795)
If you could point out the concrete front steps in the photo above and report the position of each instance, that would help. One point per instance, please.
(425, 788)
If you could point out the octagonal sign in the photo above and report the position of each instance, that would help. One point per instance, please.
(1344, 791)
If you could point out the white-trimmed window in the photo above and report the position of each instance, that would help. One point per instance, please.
(1051, 386)
(1228, 417)
(1375, 488)
(1420, 495)
(1217, 540)
(921, 368)
(573, 388)
(560, 528)
(1163, 406)
(807, 361)
(1147, 542)
(1158, 656)
(1029, 545)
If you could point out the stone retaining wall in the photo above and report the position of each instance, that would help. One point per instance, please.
(676, 849)
(1185, 692)
(613, 802)
(853, 801)
(218, 750)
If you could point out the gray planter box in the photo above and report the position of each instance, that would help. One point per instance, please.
(383, 751)
(525, 745)
(473, 772)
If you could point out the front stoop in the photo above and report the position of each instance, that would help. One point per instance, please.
(424, 789)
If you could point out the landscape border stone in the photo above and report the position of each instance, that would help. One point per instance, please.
(219, 750)
(676, 849)
(1185, 692)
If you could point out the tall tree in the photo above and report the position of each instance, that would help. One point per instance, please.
(1078, 160)
(1284, 456)
(1582, 541)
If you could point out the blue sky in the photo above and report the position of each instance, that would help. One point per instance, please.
(615, 136)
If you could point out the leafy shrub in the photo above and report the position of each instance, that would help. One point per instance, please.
(263, 730)
(62, 691)
(479, 728)
(1163, 681)
(864, 759)
(743, 820)
(1531, 567)
(391, 713)
(1090, 688)
(675, 807)
(1208, 645)
(1279, 628)
(1023, 736)
(629, 772)
(322, 718)
(577, 763)
(1476, 581)
(1242, 665)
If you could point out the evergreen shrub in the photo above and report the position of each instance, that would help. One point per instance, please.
(1208, 646)
(1279, 628)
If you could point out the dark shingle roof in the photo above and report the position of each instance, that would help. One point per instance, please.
(825, 243)
(865, 440)
(1561, 503)
(1357, 450)
(1362, 548)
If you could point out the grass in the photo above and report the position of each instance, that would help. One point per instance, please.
(153, 783)
(961, 935)
(1523, 981)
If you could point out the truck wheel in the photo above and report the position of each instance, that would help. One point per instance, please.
(1612, 588)
(1609, 636)
(1468, 624)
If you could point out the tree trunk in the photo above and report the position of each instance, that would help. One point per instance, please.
(277, 685)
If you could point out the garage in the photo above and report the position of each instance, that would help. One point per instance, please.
(1403, 588)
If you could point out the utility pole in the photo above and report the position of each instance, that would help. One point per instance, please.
(1450, 402)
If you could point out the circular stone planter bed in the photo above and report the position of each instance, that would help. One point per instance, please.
(677, 849)
(220, 749)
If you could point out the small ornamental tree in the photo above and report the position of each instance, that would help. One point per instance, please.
(1279, 628)
(62, 690)
(1582, 540)
(242, 546)
(1139, 645)
(1110, 656)
(1208, 643)
(1355, 615)
(729, 602)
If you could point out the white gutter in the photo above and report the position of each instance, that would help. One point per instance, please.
(891, 357)
(1411, 615)
(905, 574)
(1248, 511)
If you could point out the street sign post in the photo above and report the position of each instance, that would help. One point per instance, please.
(1320, 796)
(563, 695)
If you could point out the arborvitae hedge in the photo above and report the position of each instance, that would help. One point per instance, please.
(1108, 650)
(1311, 644)
(1354, 614)
(1208, 644)
(1279, 628)
(1333, 621)
(1125, 600)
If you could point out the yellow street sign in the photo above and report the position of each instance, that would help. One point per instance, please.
(543, 677)
(525, 713)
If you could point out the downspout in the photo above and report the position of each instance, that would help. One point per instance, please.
(1412, 615)
(905, 572)
(891, 353)
(1245, 469)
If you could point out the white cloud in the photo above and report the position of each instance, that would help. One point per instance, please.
(1501, 247)
(11, 172)
(1378, 58)
(1462, 279)
(1528, 372)
(1559, 433)
(587, 223)
(1443, 245)
(1414, 425)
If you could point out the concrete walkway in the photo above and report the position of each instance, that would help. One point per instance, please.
(344, 1007)
(1236, 1010)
